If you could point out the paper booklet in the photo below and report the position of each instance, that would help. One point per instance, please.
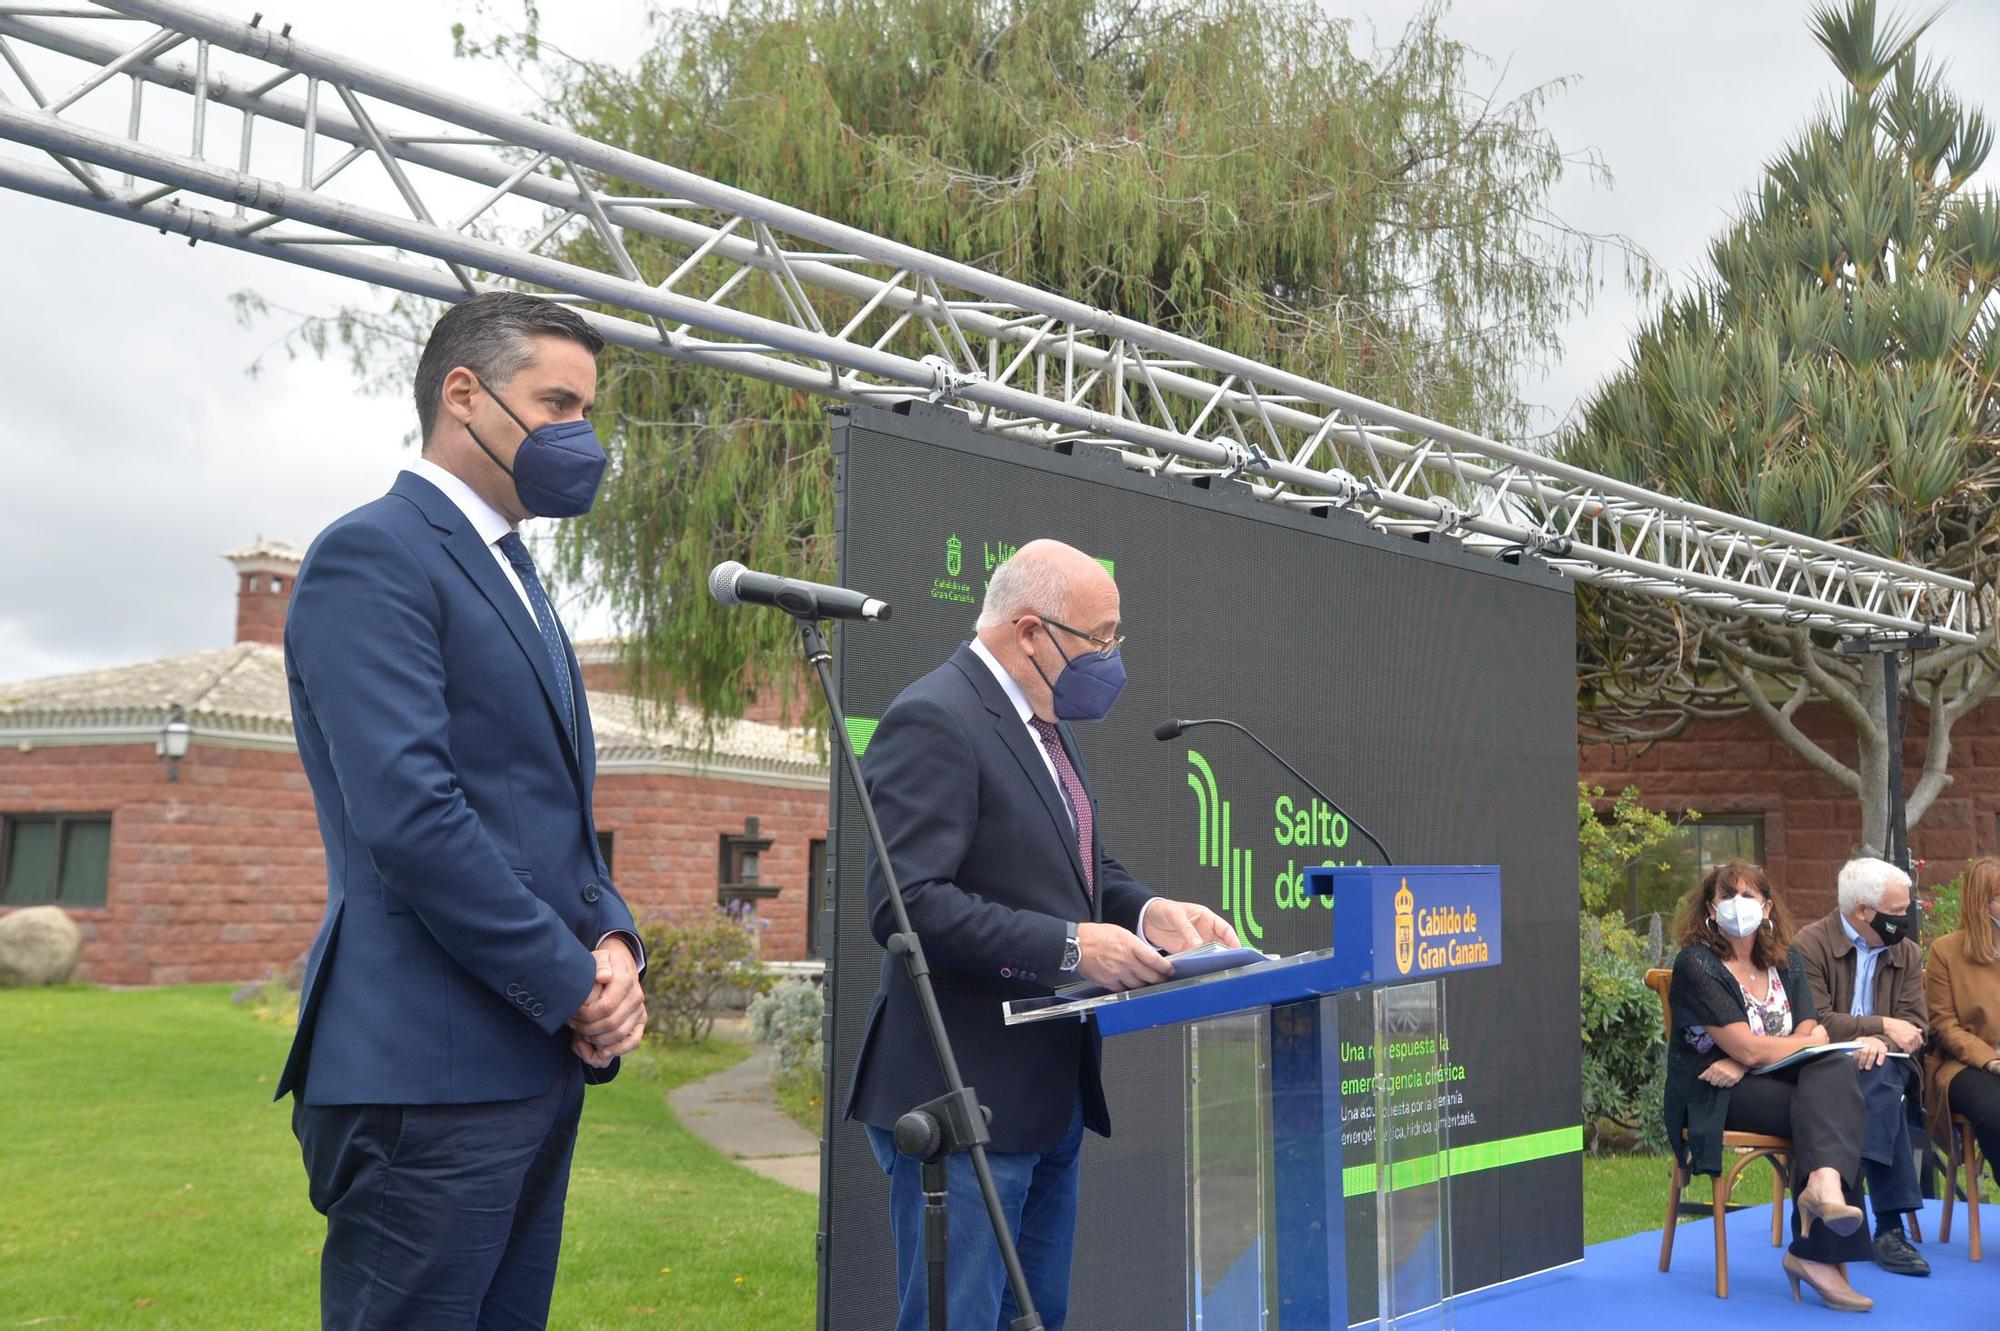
(1196, 961)
(1814, 1051)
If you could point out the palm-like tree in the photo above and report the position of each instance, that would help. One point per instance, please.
(1834, 372)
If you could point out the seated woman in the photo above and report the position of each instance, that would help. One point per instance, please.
(1962, 989)
(1740, 1000)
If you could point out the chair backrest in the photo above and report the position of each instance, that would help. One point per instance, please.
(1660, 981)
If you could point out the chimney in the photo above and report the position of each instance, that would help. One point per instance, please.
(265, 571)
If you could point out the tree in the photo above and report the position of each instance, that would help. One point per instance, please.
(1233, 170)
(1832, 373)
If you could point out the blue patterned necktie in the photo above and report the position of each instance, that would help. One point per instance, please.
(516, 550)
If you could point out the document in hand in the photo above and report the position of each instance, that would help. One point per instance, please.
(1196, 961)
(1814, 1051)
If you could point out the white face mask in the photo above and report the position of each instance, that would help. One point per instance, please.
(1739, 916)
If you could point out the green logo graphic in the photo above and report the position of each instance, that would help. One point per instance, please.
(954, 556)
(1214, 848)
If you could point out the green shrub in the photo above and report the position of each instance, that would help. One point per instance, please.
(690, 964)
(1941, 910)
(790, 1019)
(1624, 1047)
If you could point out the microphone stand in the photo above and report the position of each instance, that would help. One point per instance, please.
(1181, 726)
(934, 1132)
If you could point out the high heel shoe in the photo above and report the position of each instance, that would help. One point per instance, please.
(1839, 1217)
(1849, 1300)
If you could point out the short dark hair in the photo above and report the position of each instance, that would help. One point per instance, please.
(489, 335)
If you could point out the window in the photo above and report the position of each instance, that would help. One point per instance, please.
(740, 881)
(63, 859)
(1692, 850)
(604, 849)
(817, 944)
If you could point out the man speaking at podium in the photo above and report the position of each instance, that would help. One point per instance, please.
(989, 820)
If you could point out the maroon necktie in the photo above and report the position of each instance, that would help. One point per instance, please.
(1079, 799)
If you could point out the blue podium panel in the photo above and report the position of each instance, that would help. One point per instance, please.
(1268, 1123)
(1417, 920)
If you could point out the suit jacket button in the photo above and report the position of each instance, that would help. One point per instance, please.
(590, 893)
(536, 1010)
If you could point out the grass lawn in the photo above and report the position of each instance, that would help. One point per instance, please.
(148, 1181)
(1623, 1194)
(803, 1098)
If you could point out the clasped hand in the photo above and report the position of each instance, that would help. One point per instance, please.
(612, 1020)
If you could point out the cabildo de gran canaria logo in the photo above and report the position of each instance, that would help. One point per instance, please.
(1406, 927)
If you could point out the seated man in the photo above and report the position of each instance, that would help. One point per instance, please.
(1866, 971)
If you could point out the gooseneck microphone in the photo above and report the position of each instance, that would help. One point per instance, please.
(1167, 730)
(733, 584)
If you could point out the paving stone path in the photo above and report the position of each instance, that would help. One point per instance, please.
(736, 1111)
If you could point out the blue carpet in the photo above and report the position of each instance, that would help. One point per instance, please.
(1618, 1285)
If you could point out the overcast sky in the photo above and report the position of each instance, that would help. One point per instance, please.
(134, 448)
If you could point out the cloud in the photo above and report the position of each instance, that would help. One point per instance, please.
(136, 450)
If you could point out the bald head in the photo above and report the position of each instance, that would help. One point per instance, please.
(1041, 579)
(1046, 584)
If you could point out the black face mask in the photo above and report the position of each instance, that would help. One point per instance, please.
(1895, 928)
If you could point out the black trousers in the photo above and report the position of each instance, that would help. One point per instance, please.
(1975, 1093)
(1818, 1105)
(440, 1217)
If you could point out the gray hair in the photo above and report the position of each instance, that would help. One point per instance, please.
(1031, 586)
(493, 336)
(1863, 882)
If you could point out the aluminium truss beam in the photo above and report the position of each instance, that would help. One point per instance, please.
(348, 169)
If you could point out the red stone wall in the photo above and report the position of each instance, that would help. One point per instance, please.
(221, 875)
(216, 876)
(667, 839)
(1811, 823)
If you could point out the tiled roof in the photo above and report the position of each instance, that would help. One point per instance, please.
(265, 548)
(241, 691)
(239, 688)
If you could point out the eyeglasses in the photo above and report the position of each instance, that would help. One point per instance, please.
(1105, 646)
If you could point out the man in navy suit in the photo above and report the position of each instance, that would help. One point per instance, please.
(991, 826)
(475, 967)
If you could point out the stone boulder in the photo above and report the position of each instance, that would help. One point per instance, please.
(38, 945)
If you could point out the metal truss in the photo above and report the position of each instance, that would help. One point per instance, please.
(265, 144)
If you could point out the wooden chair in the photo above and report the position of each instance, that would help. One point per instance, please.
(1964, 1150)
(1746, 1147)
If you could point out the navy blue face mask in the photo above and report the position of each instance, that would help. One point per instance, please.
(1087, 686)
(558, 467)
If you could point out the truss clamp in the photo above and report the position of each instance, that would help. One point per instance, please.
(947, 380)
(1242, 458)
(1553, 544)
(1448, 517)
(1348, 489)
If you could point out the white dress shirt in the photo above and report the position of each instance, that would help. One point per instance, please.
(491, 525)
(1026, 711)
(485, 519)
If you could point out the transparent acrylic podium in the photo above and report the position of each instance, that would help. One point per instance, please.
(1315, 1097)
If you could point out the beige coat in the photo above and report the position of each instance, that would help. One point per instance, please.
(1964, 1000)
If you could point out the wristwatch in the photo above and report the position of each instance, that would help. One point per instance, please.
(1072, 950)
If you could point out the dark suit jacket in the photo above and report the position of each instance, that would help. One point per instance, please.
(464, 885)
(990, 870)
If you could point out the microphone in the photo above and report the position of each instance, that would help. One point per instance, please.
(1167, 730)
(733, 584)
